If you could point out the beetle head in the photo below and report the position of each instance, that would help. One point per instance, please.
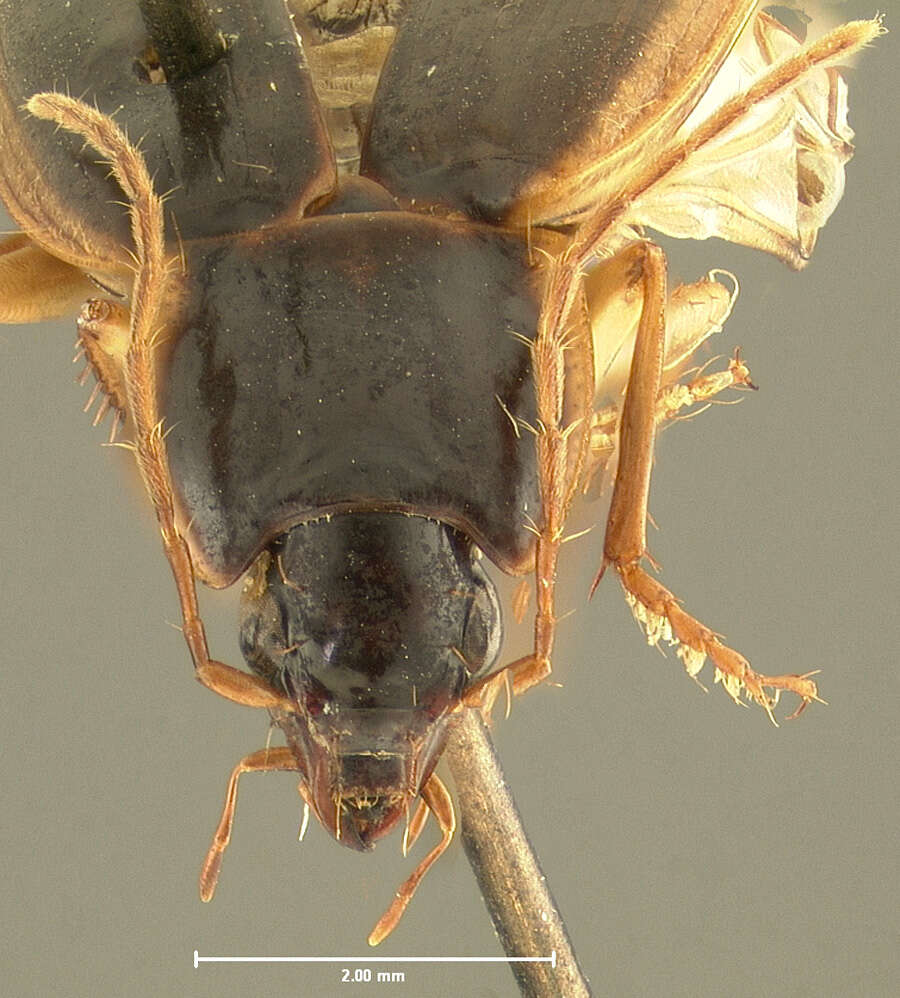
(373, 624)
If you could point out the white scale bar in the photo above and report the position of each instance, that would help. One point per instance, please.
(375, 959)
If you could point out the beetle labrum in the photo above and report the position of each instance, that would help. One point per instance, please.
(385, 321)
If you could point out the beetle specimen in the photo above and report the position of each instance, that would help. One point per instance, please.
(395, 310)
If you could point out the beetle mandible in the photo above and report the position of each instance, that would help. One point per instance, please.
(364, 326)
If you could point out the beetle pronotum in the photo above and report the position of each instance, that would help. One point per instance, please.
(648, 140)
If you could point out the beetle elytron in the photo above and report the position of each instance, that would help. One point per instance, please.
(372, 297)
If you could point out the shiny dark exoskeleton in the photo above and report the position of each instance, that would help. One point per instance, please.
(330, 376)
(358, 342)
(342, 419)
(377, 646)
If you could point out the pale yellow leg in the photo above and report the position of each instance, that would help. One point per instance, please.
(35, 285)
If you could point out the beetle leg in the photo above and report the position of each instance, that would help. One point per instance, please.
(35, 285)
(671, 400)
(614, 289)
(484, 693)
(264, 761)
(563, 431)
(615, 297)
(439, 802)
(148, 232)
(654, 606)
(104, 335)
(702, 389)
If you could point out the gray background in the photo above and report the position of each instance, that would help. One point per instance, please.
(694, 849)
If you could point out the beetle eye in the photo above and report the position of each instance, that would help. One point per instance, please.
(475, 636)
(481, 632)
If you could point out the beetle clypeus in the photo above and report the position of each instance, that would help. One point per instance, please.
(396, 309)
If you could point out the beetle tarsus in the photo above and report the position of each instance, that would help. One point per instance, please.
(660, 615)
